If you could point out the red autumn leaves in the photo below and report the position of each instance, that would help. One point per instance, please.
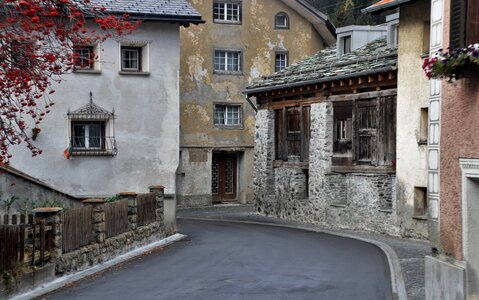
(37, 38)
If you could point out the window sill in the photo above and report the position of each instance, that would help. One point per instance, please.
(281, 28)
(93, 152)
(362, 169)
(422, 143)
(421, 218)
(220, 72)
(84, 71)
(338, 205)
(384, 210)
(229, 127)
(136, 73)
(291, 164)
(219, 21)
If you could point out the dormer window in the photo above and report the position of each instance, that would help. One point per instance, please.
(281, 21)
(346, 44)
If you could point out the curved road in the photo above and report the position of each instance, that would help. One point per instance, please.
(222, 260)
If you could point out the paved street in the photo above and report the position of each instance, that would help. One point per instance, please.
(242, 261)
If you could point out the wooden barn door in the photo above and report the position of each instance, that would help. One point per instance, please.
(223, 177)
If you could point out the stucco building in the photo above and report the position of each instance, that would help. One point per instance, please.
(241, 41)
(119, 113)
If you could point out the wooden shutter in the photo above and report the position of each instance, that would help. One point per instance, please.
(279, 134)
(294, 131)
(386, 142)
(458, 23)
(472, 28)
(367, 120)
(305, 132)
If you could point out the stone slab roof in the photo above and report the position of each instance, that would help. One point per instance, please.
(383, 5)
(325, 66)
(175, 10)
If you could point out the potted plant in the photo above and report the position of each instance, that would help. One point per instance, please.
(453, 64)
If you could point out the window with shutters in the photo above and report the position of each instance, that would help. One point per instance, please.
(364, 132)
(464, 28)
(292, 133)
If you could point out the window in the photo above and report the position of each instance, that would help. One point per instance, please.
(134, 57)
(131, 59)
(420, 202)
(91, 131)
(88, 135)
(280, 62)
(281, 21)
(364, 132)
(228, 114)
(21, 54)
(84, 58)
(292, 133)
(346, 44)
(423, 126)
(227, 61)
(227, 12)
(464, 27)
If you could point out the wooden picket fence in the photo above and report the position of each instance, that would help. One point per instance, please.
(116, 218)
(25, 244)
(16, 219)
(77, 228)
(146, 208)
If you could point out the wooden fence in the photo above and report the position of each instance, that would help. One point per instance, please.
(116, 218)
(25, 244)
(16, 219)
(77, 228)
(146, 205)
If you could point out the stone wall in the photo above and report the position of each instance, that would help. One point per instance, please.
(100, 250)
(316, 194)
(103, 249)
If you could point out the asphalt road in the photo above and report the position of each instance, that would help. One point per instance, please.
(222, 260)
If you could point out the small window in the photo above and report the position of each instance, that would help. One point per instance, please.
(463, 26)
(292, 133)
(281, 21)
(346, 44)
(91, 131)
(84, 57)
(423, 126)
(88, 135)
(420, 202)
(227, 12)
(227, 61)
(280, 62)
(364, 132)
(228, 114)
(131, 59)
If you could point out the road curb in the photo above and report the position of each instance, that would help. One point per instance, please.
(68, 279)
(397, 279)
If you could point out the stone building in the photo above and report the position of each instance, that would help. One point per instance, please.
(325, 142)
(241, 41)
(119, 113)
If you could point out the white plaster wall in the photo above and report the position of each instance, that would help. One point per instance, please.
(413, 89)
(147, 123)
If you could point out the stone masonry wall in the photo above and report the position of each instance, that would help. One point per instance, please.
(358, 201)
(263, 179)
(103, 249)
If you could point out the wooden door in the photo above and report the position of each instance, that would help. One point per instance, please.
(223, 177)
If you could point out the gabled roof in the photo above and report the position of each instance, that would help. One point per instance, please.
(325, 66)
(158, 10)
(383, 5)
(319, 20)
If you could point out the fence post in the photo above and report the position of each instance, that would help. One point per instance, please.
(98, 218)
(132, 208)
(162, 214)
(51, 216)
